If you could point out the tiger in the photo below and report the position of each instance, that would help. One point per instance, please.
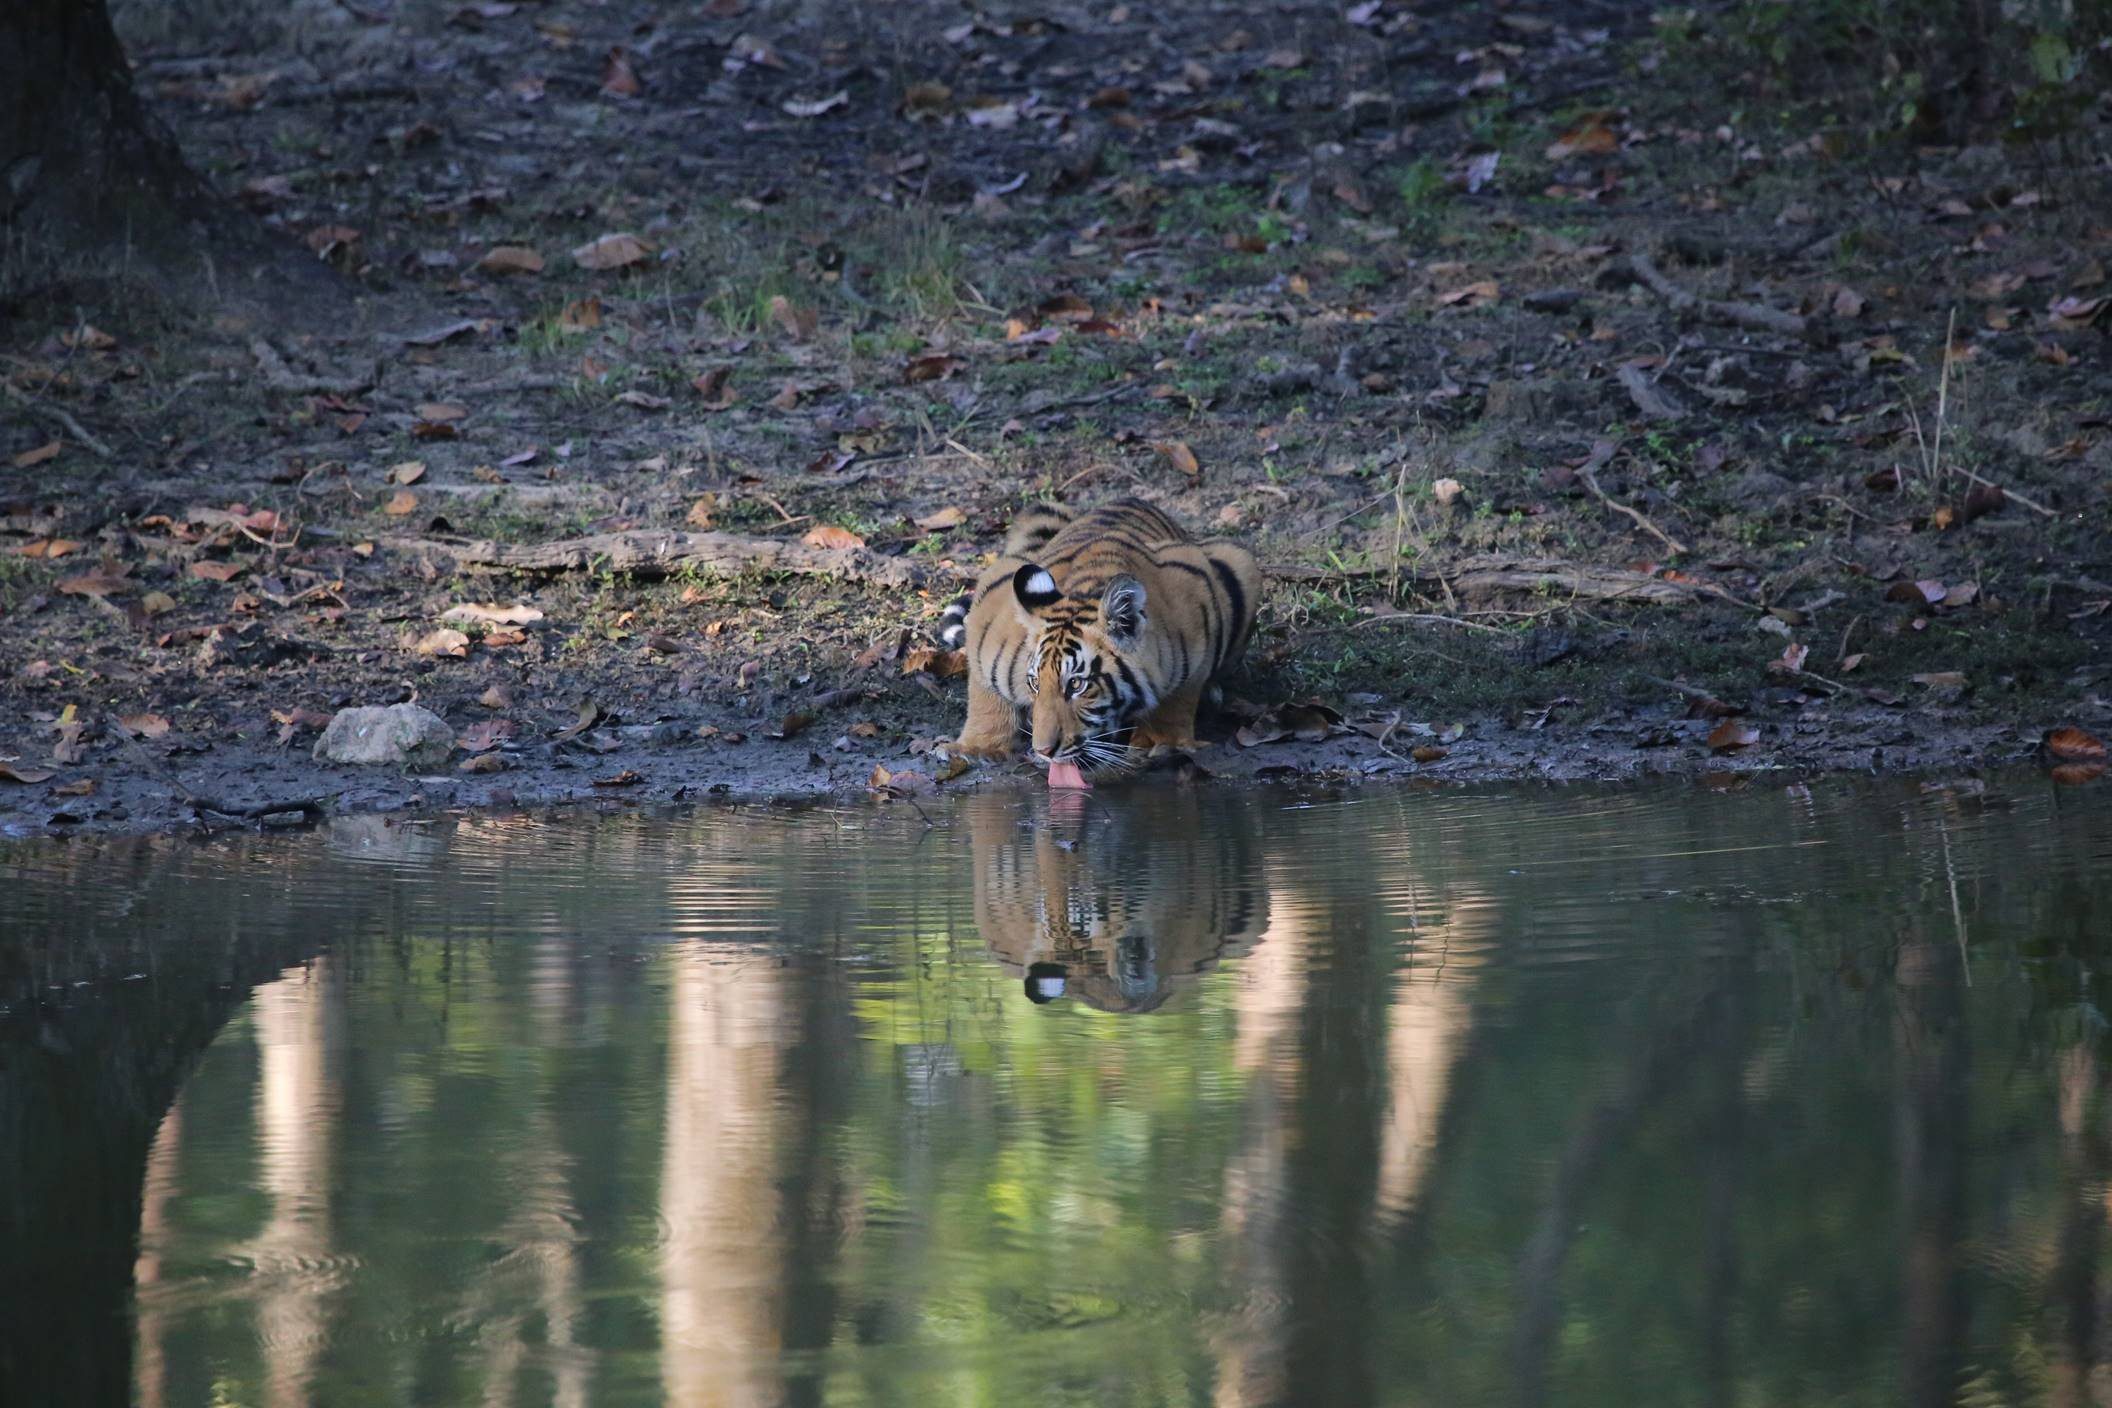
(1121, 906)
(1098, 635)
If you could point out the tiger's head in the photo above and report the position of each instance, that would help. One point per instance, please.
(1090, 680)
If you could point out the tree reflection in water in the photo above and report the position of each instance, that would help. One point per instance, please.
(1602, 1097)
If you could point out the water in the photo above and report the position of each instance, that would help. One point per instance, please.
(1680, 1097)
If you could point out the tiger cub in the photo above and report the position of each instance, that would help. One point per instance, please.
(1105, 630)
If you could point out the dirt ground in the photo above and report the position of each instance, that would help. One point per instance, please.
(1598, 413)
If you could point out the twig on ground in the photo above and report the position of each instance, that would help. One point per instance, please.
(1579, 579)
(1591, 482)
(2034, 505)
(279, 376)
(1755, 316)
(58, 417)
(1382, 617)
(1653, 402)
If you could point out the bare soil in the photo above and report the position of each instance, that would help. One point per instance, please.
(1598, 413)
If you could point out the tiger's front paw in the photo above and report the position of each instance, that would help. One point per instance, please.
(966, 747)
(1153, 743)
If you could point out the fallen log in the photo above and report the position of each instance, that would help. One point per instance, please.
(1572, 579)
(653, 552)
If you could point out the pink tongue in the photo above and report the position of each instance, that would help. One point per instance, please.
(1068, 775)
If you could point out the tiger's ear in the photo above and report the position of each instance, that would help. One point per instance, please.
(1122, 610)
(1034, 588)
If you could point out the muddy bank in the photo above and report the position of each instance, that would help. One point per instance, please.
(633, 765)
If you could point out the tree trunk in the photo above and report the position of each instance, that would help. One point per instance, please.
(91, 184)
(75, 143)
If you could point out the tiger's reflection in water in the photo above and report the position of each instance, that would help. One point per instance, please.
(1120, 899)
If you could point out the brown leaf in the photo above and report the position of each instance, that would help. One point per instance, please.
(213, 570)
(434, 430)
(441, 411)
(1591, 137)
(1179, 456)
(47, 547)
(490, 612)
(483, 762)
(1793, 658)
(1941, 679)
(626, 778)
(829, 535)
(447, 643)
(1474, 295)
(942, 664)
(796, 321)
(405, 472)
(30, 458)
(400, 503)
(1063, 308)
(2072, 745)
(791, 725)
(2076, 774)
(157, 603)
(496, 697)
(580, 315)
(612, 251)
(1426, 752)
(1731, 735)
(145, 725)
(936, 367)
(511, 259)
(700, 512)
(948, 517)
(619, 79)
(95, 584)
(487, 734)
(864, 728)
(715, 386)
(29, 776)
(1926, 592)
(644, 400)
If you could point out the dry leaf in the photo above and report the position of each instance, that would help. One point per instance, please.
(145, 725)
(490, 612)
(214, 571)
(715, 387)
(441, 412)
(402, 502)
(828, 535)
(619, 79)
(10, 773)
(47, 547)
(936, 367)
(797, 322)
(930, 659)
(1179, 456)
(450, 644)
(815, 107)
(2072, 745)
(612, 251)
(1591, 137)
(511, 259)
(496, 697)
(1427, 752)
(948, 517)
(31, 458)
(626, 778)
(580, 315)
(1731, 735)
(644, 400)
(700, 512)
(94, 584)
(1474, 295)
(406, 472)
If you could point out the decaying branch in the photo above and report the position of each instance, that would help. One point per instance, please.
(1573, 579)
(280, 376)
(1755, 316)
(659, 552)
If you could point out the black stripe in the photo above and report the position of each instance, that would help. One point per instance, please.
(1209, 600)
(1136, 691)
(982, 635)
(1001, 670)
(1238, 595)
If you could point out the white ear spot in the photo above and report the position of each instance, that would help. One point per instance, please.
(1041, 584)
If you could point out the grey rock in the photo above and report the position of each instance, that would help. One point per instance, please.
(394, 735)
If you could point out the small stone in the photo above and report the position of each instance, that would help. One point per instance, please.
(395, 735)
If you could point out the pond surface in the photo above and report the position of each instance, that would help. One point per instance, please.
(1193, 1097)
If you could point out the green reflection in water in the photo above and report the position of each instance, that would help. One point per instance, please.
(1668, 1097)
